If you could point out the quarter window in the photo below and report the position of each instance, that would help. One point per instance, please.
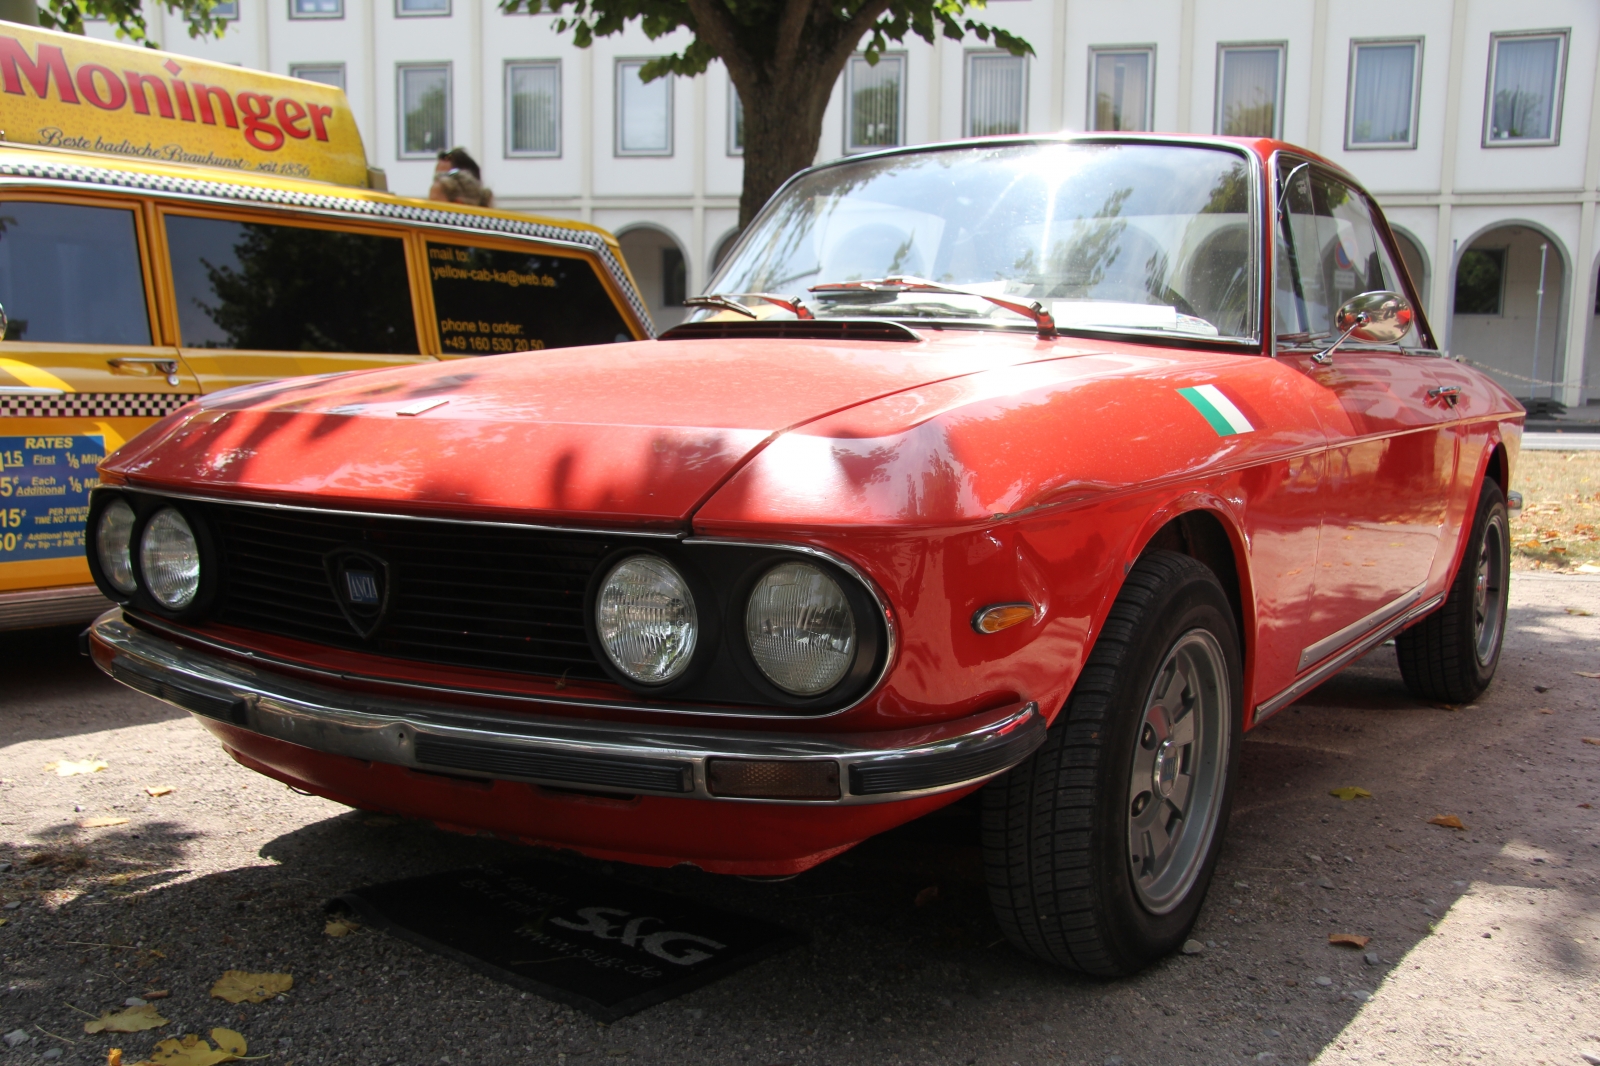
(644, 111)
(1119, 89)
(875, 103)
(533, 108)
(326, 73)
(1382, 108)
(1249, 90)
(1526, 75)
(492, 300)
(71, 274)
(1481, 281)
(256, 285)
(997, 94)
(424, 110)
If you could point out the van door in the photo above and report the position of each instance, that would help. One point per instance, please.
(262, 299)
(80, 372)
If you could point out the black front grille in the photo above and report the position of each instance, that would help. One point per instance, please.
(459, 595)
(645, 775)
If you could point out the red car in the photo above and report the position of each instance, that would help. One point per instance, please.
(1041, 466)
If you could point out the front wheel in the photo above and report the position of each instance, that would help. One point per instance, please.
(1099, 848)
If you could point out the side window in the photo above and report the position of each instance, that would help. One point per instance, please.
(493, 300)
(289, 288)
(71, 274)
(1328, 251)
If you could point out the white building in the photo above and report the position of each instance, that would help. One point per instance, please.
(1476, 123)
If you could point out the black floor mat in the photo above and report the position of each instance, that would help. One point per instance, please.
(604, 946)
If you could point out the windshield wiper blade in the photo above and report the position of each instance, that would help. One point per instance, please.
(729, 301)
(1042, 319)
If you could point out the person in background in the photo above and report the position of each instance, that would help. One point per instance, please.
(457, 180)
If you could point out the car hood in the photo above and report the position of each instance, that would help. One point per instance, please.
(621, 434)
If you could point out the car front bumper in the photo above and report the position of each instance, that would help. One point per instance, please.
(630, 759)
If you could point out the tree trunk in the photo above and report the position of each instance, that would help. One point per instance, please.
(23, 11)
(782, 128)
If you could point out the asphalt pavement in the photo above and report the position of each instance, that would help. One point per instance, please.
(1484, 941)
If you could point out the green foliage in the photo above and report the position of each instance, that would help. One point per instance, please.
(127, 17)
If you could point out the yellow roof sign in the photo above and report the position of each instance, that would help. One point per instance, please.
(63, 91)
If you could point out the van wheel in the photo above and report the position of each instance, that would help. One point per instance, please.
(1099, 848)
(1452, 654)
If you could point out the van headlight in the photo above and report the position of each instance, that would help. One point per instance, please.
(113, 545)
(169, 560)
(645, 618)
(801, 630)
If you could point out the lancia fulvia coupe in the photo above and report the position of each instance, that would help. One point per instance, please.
(1045, 467)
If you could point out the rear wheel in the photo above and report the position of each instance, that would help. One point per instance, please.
(1099, 848)
(1452, 654)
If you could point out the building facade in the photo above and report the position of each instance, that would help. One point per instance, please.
(1475, 122)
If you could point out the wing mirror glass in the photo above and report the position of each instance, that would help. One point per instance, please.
(1377, 317)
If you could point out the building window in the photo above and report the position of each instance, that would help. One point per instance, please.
(225, 10)
(874, 102)
(1527, 72)
(326, 73)
(1120, 84)
(997, 94)
(424, 110)
(424, 8)
(735, 121)
(1250, 90)
(644, 111)
(316, 9)
(533, 108)
(1481, 281)
(1384, 89)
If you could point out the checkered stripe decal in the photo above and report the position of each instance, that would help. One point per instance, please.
(95, 405)
(156, 183)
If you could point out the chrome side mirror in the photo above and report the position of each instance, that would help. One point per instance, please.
(1373, 318)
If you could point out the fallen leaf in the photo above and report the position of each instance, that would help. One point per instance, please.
(1591, 740)
(158, 790)
(3, 921)
(114, 1057)
(1587, 673)
(927, 896)
(339, 927)
(73, 769)
(237, 986)
(156, 993)
(132, 1020)
(1587, 806)
(1589, 568)
(1350, 792)
(120, 879)
(101, 823)
(1546, 710)
(193, 1051)
(1449, 821)
(1348, 940)
(1579, 611)
(158, 954)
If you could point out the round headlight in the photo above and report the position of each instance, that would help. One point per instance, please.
(113, 543)
(646, 619)
(169, 558)
(801, 630)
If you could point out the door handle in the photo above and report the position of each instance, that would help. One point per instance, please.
(169, 367)
(1450, 394)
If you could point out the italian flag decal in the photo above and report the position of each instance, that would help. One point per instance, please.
(1217, 409)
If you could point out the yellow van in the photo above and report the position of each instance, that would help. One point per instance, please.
(170, 227)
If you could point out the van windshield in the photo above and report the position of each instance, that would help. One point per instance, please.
(1116, 237)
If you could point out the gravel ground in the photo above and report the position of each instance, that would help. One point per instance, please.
(1485, 941)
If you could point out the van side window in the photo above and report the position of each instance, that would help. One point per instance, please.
(491, 300)
(289, 288)
(70, 273)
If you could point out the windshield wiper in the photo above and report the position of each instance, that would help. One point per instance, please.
(1042, 319)
(729, 301)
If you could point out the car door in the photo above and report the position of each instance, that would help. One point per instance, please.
(1391, 456)
(260, 297)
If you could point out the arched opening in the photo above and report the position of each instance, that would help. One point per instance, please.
(1501, 317)
(724, 246)
(1589, 390)
(1416, 264)
(659, 266)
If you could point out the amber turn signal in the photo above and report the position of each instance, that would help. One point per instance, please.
(809, 779)
(1001, 616)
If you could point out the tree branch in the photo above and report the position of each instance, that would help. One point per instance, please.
(791, 30)
(862, 21)
(715, 25)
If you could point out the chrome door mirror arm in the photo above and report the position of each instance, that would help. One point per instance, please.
(1378, 317)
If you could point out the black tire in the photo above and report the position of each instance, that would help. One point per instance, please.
(1058, 829)
(1451, 655)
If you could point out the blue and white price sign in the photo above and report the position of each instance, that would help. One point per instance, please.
(44, 495)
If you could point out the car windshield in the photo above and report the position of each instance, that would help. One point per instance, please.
(1116, 237)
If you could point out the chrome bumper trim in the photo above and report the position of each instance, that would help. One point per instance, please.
(35, 608)
(630, 758)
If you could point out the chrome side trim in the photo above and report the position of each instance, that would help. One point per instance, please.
(1334, 641)
(1268, 708)
(628, 758)
(34, 608)
(528, 527)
